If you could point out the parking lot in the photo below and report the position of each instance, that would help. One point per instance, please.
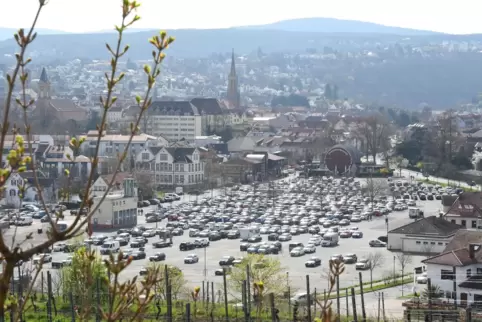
(264, 201)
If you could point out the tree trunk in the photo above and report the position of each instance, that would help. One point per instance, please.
(371, 278)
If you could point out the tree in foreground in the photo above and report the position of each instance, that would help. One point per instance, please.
(403, 260)
(123, 296)
(265, 269)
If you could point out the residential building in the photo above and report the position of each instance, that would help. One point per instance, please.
(119, 207)
(457, 270)
(12, 195)
(172, 166)
(427, 236)
(466, 210)
(173, 120)
(112, 144)
(114, 115)
(58, 158)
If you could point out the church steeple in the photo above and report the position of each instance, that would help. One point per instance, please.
(44, 85)
(233, 91)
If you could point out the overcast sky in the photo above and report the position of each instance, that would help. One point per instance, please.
(459, 17)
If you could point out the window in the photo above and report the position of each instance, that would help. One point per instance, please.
(464, 223)
(479, 271)
(417, 242)
(474, 223)
(181, 178)
(440, 244)
(163, 157)
(452, 221)
(432, 243)
(181, 167)
(158, 166)
(447, 275)
(145, 156)
(425, 243)
(13, 193)
(170, 167)
(177, 167)
(469, 273)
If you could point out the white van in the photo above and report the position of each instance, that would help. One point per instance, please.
(109, 247)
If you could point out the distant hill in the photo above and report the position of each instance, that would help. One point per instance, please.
(331, 25)
(7, 33)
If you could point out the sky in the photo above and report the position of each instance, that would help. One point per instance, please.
(450, 16)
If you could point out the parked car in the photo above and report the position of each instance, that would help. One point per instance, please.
(313, 262)
(422, 279)
(191, 259)
(376, 243)
(157, 257)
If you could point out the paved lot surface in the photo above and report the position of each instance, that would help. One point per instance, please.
(295, 268)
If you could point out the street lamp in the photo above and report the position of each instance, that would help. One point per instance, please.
(394, 258)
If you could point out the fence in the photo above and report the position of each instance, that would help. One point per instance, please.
(213, 304)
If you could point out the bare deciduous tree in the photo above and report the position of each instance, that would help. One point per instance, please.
(373, 188)
(373, 131)
(375, 260)
(403, 260)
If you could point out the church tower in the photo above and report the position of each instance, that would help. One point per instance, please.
(233, 91)
(44, 85)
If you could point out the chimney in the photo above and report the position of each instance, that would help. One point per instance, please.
(472, 249)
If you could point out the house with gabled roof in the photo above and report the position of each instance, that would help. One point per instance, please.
(466, 210)
(457, 270)
(172, 166)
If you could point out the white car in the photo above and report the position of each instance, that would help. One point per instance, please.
(44, 258)
(68, 261)
(191, 259)
(309, 249)
(59, 247)
(315, 241)
(297, 251)
(422, 279)
(149, 233)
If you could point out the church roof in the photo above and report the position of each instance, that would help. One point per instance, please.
(43, 76)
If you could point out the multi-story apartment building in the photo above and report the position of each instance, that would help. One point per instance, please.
(172, 166)
(173, 120)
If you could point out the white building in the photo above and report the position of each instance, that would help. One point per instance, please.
(114, 115)
(172, 166)
(427, 236)
(119, 208)
(457, 271)
(110, 145)
(465, 210)
(12, 194)
(173, 120)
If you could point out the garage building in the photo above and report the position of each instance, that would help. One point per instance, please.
(427, 236)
